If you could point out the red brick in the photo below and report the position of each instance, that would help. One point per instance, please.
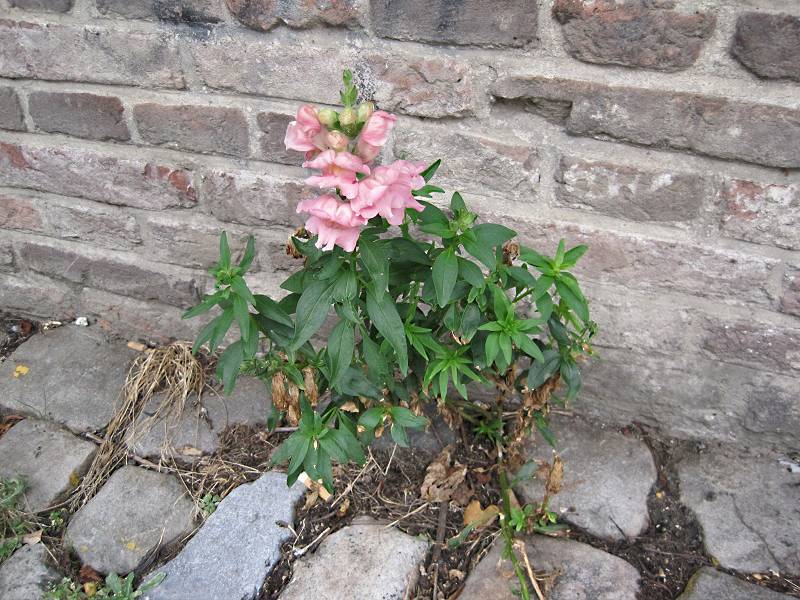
(60, 6)
(101, 177)
(11, 116)
(273, 129)
(762, 213)
(263, 15)
(95, 54)
(768, 44)
(196, 128)
(628, 192)
(82, 115)
(757, 133)
(126, 275)
(18, 212)
(502, 23)
(251, 198)
(632, 34)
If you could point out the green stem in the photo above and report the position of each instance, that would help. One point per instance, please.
(508, 533)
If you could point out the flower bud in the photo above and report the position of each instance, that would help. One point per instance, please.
(347, 118)
(338, 141)
(365, 110)
(327, 116)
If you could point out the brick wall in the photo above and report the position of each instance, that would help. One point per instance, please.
(663, 133)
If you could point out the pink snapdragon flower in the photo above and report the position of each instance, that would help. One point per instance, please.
(387, 191)
(339, 170)
(375, 134)
(305, 133)
(334, 222)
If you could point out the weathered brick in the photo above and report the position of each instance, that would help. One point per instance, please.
(753, 344)
(629, 192)
(276, 65)
(21, 213)
(503, 23)
(11, 116)
(790, 298)
(126, 275)
(762, 213)
(273, 129)
(768, 44)
(60, 6)
(471, 161)
(87, 174)
(173, 11)
(82, 115)
(197, 128)
(645, 263)
(6, 256)
(37, 296)
(263, 15)
(690, 396)
(136, 319)
(433, 87)
(758, 133)
(632, 34)
(172, 238)
(252, 199)
(90, 53)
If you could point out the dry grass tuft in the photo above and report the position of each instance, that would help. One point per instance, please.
(171, 368)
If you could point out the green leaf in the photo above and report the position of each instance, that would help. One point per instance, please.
(399, 435)
(312, 309)
(528, 346)
(272, 310)
(224, 322)
(481, 251)
(229, 364)
(383, 314)
(470, 320)
(530, 256)
(376, 263)
(572, 377)
(207, 304)
(353, 382)
(492, 234)
(224, 251)
(430, 170)
(559, 259)
(471, 273)
(544, 429)
(432, 214)
(577, 305)
(294, 283)
(457, 203)
(543, 284)
(249, 254)
(299, 455)
(242, 315)
(502, 305)
(406, 418)
(346, 286)
(573, 255)
(407, 251)
(371, 418)
(341, 344)
(492, 347)
(239, 286)
(541, 371)
(205, 334)
(152, 582)
(426, 190)
(445, 273)
(522, 276)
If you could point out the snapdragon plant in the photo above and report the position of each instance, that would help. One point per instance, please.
(424, 301)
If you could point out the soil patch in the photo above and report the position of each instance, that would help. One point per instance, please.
(14, 331)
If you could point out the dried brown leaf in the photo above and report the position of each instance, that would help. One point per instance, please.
(442, 479)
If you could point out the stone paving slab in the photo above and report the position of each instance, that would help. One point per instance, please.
(237, 546)
(26, 574)
(607, 478)
(74, 376)
(363, 561)
(710, 584)
(48, 458)
(748, 506)
(192, 435)
(586, 573)
(134, 513)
